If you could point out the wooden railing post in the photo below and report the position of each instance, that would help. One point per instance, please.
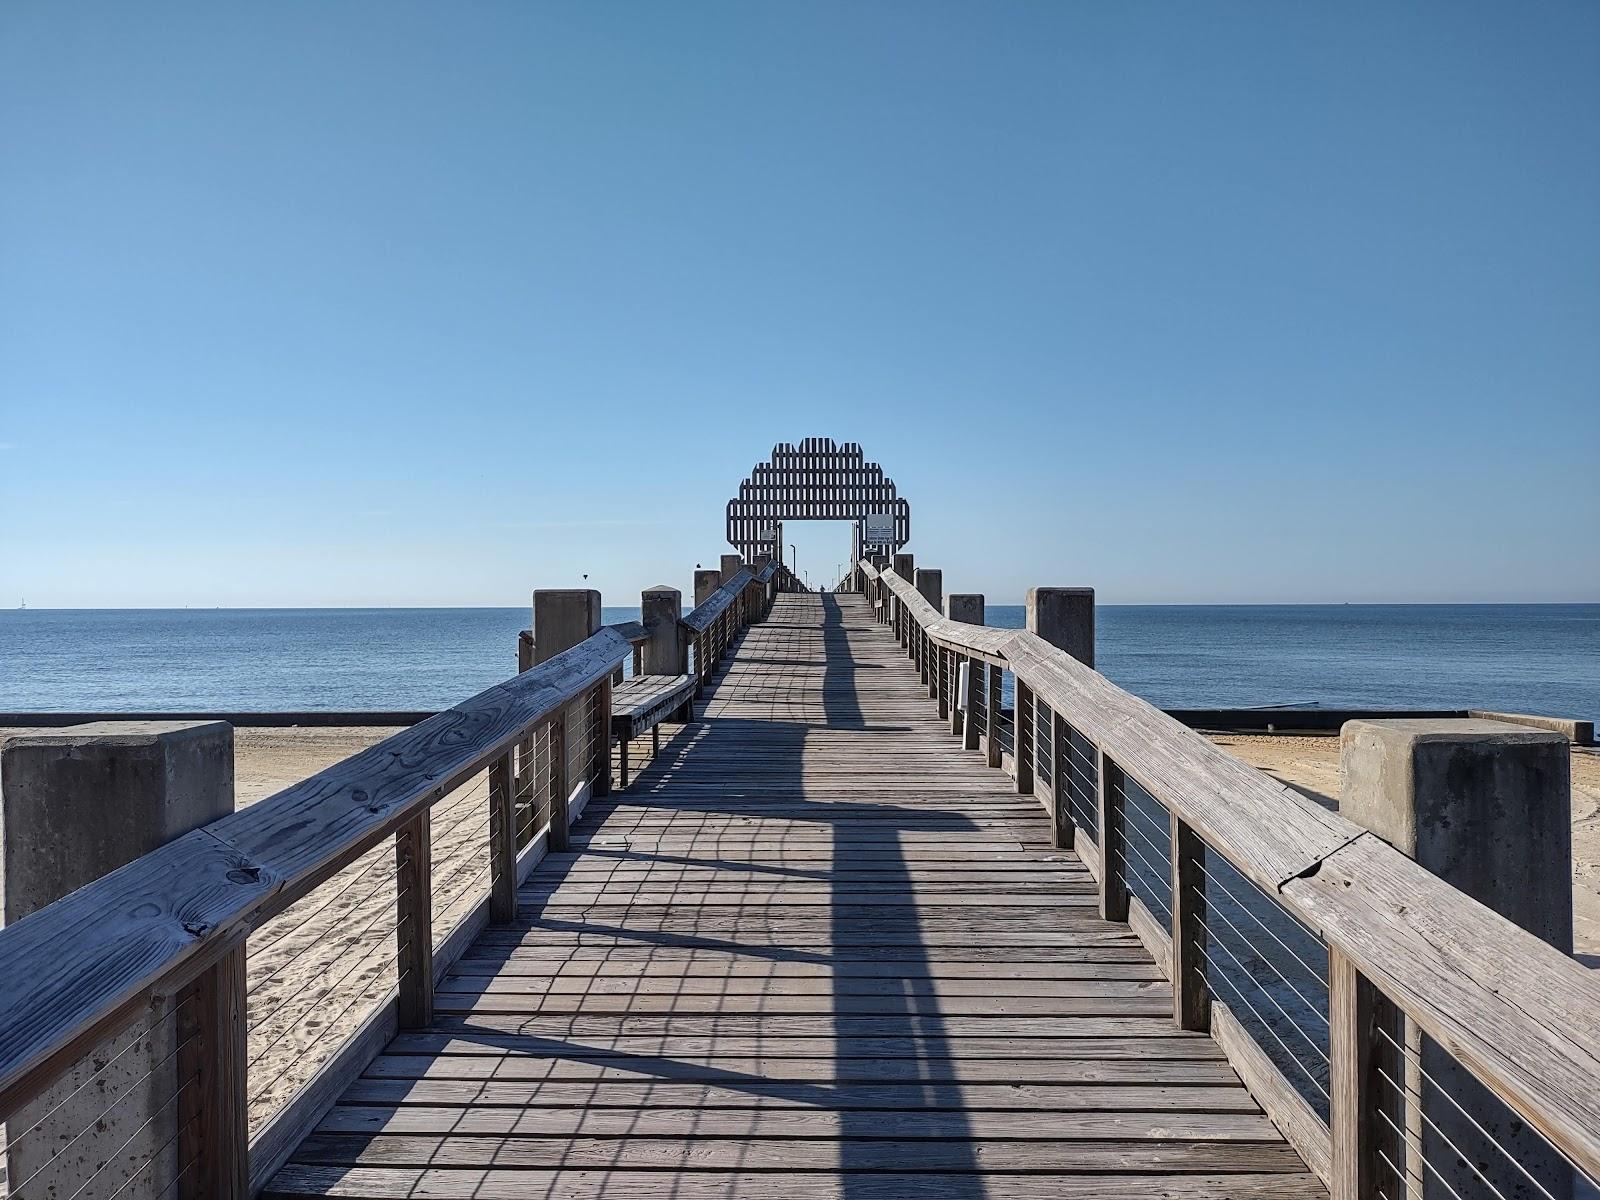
(971, 730)
(1191, 997)
(413, 861)
(941, 683)
(600, 770)
(1024, 749)
(560, 834)
(1354, 1054)
(1066, 830)
(213, 1122)
(991, 713)
(502, 843)
(1113, 852)
(968, 607)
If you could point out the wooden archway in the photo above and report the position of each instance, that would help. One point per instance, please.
(818, 480)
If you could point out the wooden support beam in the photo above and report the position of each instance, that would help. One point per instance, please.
(560, 789)
(1191, 997)
(1113, 850)
(600, 768)
(212, 1030)
(1354, 1055)
(991, 712)
(502, 842)
(1066, 831)
(413, 865)
(1024, 748)
(972, 730)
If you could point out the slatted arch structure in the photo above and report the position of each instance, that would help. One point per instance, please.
(818, 480)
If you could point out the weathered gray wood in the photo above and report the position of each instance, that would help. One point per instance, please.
(407, 1183)
(702, 617)
(1024, 738)
(560, 786)
(1190, 994)
(1353, 1058)
(992, 715)
(213, 1139)
(1516, 1012)
(502, 842)
(809, 928)
(1113, 848)
(288, 1127)
(414, 927)
(1297, 1120)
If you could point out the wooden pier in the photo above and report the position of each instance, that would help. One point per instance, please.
(809, 953)
(847, 925)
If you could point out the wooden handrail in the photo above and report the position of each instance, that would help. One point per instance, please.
(80, 968)
(700, 618)
(1517, 1013)
(634, 631)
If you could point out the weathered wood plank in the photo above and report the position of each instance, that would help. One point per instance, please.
(811, 933)
(432, 1183)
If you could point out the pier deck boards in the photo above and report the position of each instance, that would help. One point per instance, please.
(816, 950)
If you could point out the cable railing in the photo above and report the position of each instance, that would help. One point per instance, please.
(177, 1026)
(1409, 1041)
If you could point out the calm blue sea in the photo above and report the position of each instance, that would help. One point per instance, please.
(1530, 658)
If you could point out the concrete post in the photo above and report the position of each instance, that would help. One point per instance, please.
(76, 804)
(905, 566)
(1064, 617)
(706, 581)
(1487, 807)
(562, 618)
(930, 582)
(964, 606)
(667, 651)
(731, 564)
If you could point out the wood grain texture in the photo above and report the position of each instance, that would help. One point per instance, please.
(1518, 1014)
(814, 950)
(703, 616)
(1289, 1112)
(78, 968)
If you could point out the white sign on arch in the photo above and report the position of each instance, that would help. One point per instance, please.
(880, 529)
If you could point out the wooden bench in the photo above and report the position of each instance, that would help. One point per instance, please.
(641, 704)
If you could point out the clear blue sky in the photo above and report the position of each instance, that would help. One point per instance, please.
(307, 303)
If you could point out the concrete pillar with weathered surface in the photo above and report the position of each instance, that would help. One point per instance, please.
(1487, 807)
(667, 651)
(930, 582)
(964, 606)
(905, 566)
(563, 618)
(706, 581)
(76, 804)
(731, 566)
(1064, 617)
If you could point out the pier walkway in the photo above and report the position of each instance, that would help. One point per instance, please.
(816, 950)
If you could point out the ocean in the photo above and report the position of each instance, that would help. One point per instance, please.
(1537, 658)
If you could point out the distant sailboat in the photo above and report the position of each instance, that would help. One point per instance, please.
(24, 603)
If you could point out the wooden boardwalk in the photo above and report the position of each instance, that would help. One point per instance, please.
(817, 950)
